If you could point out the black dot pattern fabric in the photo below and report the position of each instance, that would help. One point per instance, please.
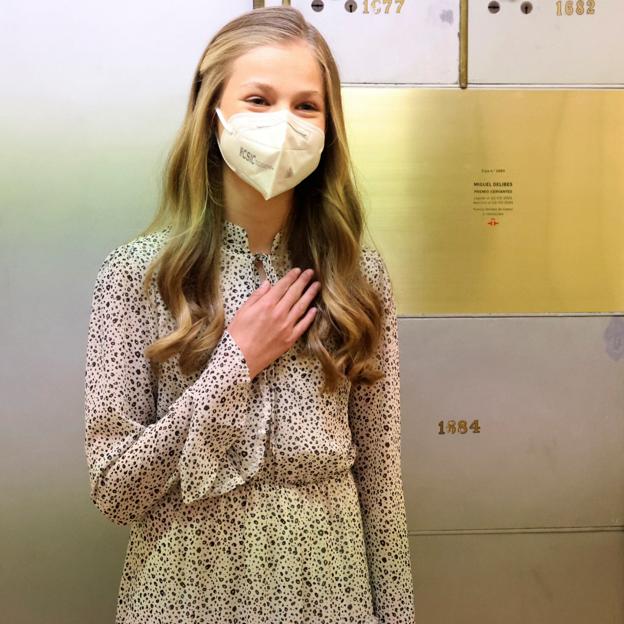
(249, 501)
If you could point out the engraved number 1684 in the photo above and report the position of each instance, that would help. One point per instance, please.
(458, 426)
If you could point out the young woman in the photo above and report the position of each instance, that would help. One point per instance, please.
(242, 377)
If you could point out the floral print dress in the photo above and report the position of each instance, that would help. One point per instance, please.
(248, 501)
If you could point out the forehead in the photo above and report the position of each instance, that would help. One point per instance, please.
(289, 66)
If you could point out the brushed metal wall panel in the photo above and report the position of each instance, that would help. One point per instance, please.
(494, 201)
(558, 42)
(391, 41)
(570, 578)
(548, 393)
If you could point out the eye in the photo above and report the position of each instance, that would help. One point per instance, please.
(255, 97)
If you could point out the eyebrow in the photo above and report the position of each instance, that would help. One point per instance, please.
(268, 87)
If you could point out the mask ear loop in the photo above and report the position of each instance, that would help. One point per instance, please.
(226, 125)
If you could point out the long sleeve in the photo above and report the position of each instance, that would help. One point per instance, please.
(374, 417)
(133, 457)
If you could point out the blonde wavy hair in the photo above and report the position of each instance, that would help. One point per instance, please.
(323, 232)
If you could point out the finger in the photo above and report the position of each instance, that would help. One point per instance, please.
(259, 292)
(282, 286)
(304, 301)
(293, 294)
(304, 323)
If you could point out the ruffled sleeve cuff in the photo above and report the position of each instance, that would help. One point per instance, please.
(222, 411)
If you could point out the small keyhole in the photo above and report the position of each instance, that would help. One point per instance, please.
(350, 6)
(526, 7)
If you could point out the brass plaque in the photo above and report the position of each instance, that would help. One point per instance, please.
(493, 201)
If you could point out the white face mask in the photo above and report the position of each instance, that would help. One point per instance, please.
(271, 151)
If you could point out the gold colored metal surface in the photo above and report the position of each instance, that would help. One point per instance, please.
(463, 43)
(494, 201)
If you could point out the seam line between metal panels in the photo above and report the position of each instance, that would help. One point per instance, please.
(527, 530)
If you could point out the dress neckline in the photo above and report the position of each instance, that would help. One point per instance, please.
(236, 239)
